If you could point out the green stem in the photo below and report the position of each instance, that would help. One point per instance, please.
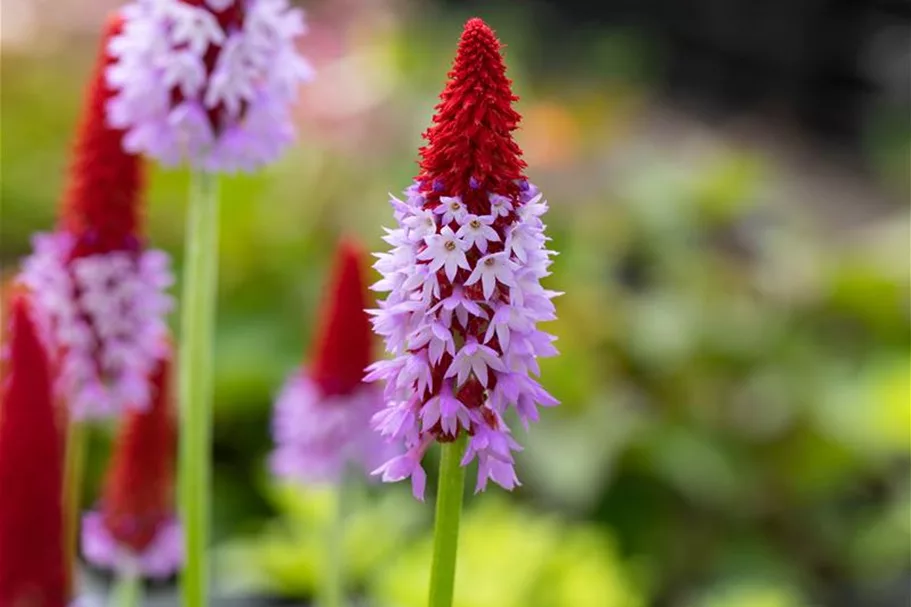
(333, 590)
(197, 335)
(127, 590)
(446, 527)
(74, 469)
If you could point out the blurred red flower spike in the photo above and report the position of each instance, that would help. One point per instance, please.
(343, 340)
(139, 488)
(32, 572)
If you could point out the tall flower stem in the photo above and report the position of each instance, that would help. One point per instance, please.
(74, 468)
(333, 590)
(196, 364)
(446, 527)
(127, 590)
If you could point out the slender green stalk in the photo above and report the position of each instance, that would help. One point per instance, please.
(446, 527)
(127, 590)
(197, 335)
(74, 469)
(333, 589)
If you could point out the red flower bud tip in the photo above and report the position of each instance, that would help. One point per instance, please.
(102, 204)
(470, 150)
(343, 342)
(32, 572)
(138, 495)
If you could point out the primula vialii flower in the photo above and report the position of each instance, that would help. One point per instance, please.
(463, 279)
(322, 414)
(134, 528)
(32, 568)
(98, 290)
(209, 82)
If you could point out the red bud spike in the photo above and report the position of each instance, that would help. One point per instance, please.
(102, 205)
(342, 345)
(32, 568)
(471, 137)
(139, 487)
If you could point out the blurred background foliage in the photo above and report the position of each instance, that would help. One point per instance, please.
(735, 371)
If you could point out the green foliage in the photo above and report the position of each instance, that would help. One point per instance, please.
(752, 594)
(288, 557)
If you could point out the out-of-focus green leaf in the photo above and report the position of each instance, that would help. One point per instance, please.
(870, 410)
(752, 594)
(288, 557)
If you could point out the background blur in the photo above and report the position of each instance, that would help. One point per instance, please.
(729, 191)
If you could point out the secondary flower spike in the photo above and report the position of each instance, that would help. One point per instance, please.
(98, 289)
(322, 415)
(208, 82)
(463, 278)
(32, 568)
(135, 527)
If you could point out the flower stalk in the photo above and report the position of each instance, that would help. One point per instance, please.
(333, 589)
(446, 526)
(127, 590)
(73, 472)
(196, 365)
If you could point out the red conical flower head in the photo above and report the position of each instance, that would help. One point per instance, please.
(470, 151)
(103, 200)
(139, 487)
(343, 340)
(98, 289)
(32, 572)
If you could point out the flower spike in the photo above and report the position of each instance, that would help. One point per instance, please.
(134, 528)
(344, 339)
(97, 288)
(32, 570)
(322, 415)
(207, 82)
(463, 279)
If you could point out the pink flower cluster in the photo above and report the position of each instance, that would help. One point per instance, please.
(207, 81)
(106, 315)
(318, 435)
(461, 320)
(163, 557)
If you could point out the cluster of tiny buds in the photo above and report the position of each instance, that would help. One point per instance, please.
(461, 321)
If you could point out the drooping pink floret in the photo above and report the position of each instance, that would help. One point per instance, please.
(463, 278)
